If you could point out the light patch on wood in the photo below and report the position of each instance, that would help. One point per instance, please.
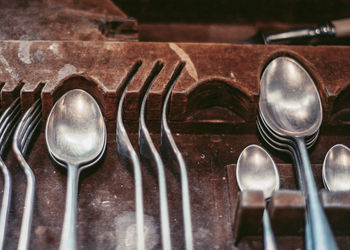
(55, 49)
(66, 70)
(191, 69)
(8, 69)
(233, 77)
(24, 52)
(126, 231)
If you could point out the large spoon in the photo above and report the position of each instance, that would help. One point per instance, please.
(336, 168)
(76, 135)
(256, 170)
(291, 107)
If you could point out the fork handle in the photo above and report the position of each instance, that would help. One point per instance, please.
(69, 234)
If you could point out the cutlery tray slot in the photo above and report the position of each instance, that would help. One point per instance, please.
(287, 212)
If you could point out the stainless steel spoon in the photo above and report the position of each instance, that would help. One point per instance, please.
(75, 134)
(336, 168)
(291, 107)
(256, 170)
(287, 148)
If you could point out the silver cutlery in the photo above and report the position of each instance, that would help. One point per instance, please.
(128, 156)
(336, 168)
(171, 152)
(256, 170)
(290, 106)
(287, 148)
(21, 139)
(148, 152)
(8, 122)
(76, 137)
(336, 28)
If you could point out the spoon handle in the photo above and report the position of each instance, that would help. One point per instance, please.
(68, 236)
(301, 183)
(320, 231)
(269, 238)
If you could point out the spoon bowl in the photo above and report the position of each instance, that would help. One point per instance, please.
(256, 170)
(289, 101)
(336, 168)
(75, 129)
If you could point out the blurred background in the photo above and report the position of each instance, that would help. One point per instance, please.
(219, 21)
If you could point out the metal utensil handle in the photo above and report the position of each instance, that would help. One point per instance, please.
(326, 30)
(68, 236)
(23, 242)
(6, 200)
(321, 233)
(269, 237)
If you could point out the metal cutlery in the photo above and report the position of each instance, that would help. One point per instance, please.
(128, 156)
(336, 168)
(172, 154)
(290, 106)
(75, 135)
(256, 170)
(8, 123)
(21, 139)
(149, 152)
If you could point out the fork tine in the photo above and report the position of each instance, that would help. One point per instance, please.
(9, 110)
(35, 124)
(28, 117)
(27, 128)
(10, 126)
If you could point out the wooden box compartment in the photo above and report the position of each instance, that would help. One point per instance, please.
(212, 117)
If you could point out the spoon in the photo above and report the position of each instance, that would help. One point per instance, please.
(291, 107)
(76, 135)
(336, 168)
(286, 148)
(256, 170)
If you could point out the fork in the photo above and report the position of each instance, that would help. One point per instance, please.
(8, 121)
(22, 137)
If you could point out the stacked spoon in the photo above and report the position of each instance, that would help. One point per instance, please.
(289, 118)
(76, 139)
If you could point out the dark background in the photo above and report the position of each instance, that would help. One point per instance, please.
(241, 11)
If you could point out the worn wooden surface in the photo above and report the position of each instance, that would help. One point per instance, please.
(212, 116)
(219, 83)
(87, 20)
